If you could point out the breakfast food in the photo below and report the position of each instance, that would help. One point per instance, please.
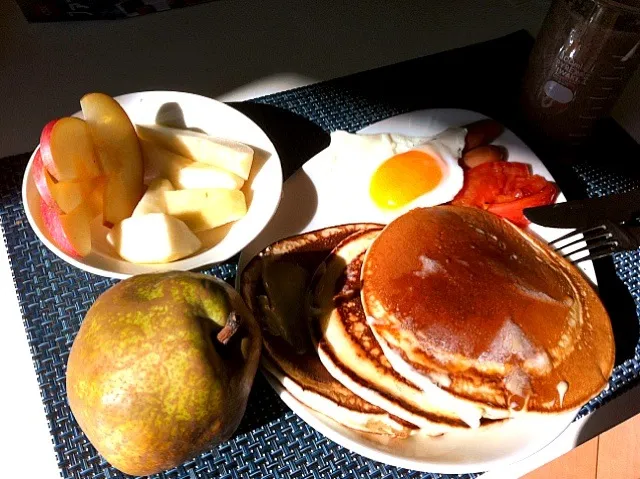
(388, 174)
(462, 299)
(161, 369)
(481, 133)
(274, 286)
(153, 238)
(65, 195)
(483, 154)
(119, 153)
(505, 189)
(184, 173)
(387, 179)
(98, 166)
(67, 150)
(70, 231)
(227, 154)
(153, 199)
(206, 208)
(448, 318)
(349, 350)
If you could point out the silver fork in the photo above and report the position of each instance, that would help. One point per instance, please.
(601, 241)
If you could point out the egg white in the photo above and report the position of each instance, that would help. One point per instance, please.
(355, 158)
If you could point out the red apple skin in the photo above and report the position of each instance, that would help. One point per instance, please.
(42, 178)
(45, 148)
(65, 195)
(54, 222)
(51, 219)
(86, 163)
(120, 155)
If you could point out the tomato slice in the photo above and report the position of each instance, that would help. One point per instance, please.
(505, 189)
(490, 183)
(513, 210)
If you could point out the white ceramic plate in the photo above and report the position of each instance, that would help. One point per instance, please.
(262, 191)
(305, 206)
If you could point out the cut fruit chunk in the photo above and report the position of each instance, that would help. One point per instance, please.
(119, 152)
(183, 172)
(70, 232)
(229, 155)
(153, 199)
(199, 175)
(159, 162)
(118, 198)
(206, 208)
(95, 201)
(63, 194)
(153, 238)
(43, 180)
(67, 150)
(68, 196)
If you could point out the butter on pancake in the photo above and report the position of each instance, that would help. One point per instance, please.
(351, 353)
(461, 298)
(274, 286)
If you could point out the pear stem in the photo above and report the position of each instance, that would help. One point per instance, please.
(230, 328)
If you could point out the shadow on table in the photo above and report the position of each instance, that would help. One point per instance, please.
(612, 414)
(296, 139)
(621, 308)
(263, 407)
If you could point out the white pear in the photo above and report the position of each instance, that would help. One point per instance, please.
(203, 209)
(200, 175)
(227, 154)
(183, 172)
(153, 199)
(153, 238)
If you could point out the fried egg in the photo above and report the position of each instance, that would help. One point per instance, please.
(384, 175)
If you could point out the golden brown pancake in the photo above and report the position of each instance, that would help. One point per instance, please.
(351, 353)
(459, 297)
(274, 285)
(341, 405)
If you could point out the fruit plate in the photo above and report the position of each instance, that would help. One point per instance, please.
(307, 204)
(181, 110)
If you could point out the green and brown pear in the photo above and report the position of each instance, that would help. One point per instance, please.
(161, 369)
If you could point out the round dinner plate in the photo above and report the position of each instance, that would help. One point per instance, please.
(306, 205)
(182, 110)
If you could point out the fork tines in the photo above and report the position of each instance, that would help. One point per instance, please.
(599, 239)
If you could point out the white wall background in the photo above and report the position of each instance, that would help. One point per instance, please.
(217, 47)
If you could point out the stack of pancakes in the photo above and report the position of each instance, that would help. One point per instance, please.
(448, 317)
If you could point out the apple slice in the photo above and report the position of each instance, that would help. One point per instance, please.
(183, 172)
(95, 201)
(71, 232)
(204, 209)
(153, 238)
(43, 180)
(69, 196)
(64, 194)
(229, 155)
(153, 199)
(120, 198)
(119, 154)
(67, 150)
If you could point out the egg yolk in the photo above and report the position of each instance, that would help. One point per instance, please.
(403, 178)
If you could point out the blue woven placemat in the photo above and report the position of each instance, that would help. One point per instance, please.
(272, 442)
